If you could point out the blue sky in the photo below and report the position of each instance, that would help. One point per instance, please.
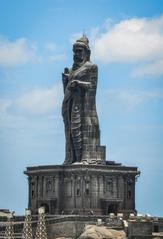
(126, 39)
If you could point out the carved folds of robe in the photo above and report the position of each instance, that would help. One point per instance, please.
(80, 117)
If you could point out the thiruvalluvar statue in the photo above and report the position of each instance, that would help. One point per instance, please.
(79, 108)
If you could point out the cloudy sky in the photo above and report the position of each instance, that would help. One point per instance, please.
(126, 39)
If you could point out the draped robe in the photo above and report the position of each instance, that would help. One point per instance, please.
(79, 113)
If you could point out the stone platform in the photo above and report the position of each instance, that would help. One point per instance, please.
(82, 189)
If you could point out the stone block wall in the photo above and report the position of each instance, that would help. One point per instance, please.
(82, 189)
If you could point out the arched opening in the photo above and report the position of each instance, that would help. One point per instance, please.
(112, 208)
(46, 207)
(156, 228)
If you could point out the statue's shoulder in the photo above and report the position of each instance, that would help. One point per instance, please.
(89, 65)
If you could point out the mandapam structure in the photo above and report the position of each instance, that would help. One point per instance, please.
(86, 183)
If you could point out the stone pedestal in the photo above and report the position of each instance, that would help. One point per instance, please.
(82, 189)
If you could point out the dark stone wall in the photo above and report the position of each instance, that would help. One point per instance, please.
(140, 229)
(82, 189)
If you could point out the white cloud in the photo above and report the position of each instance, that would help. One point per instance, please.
(152, 68)
(51, 46)
(38, 101)
(35, 102)
(133, 99)
(4, 105)
(129, 100)
(132, 40)
(59, 57)
(16, 52)
(22, 51)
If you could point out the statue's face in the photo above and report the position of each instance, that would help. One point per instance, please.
(79, 55)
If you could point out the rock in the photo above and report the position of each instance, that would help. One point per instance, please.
(63, 238)
(100, 232)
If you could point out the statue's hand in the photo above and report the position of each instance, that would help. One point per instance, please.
(66, 71)
(65, 75)
(73, 83)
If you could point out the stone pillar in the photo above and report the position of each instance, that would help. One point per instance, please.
(9, 232)
(121, 189)
(56, 193)
(29, 192)
(94, 192)
(27, 228)
(100, 190)
(41, 227)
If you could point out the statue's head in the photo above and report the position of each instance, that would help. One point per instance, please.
(81, 51)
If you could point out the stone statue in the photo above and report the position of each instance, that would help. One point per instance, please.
(79, 108)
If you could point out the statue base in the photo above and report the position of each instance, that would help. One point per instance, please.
(82, 189)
